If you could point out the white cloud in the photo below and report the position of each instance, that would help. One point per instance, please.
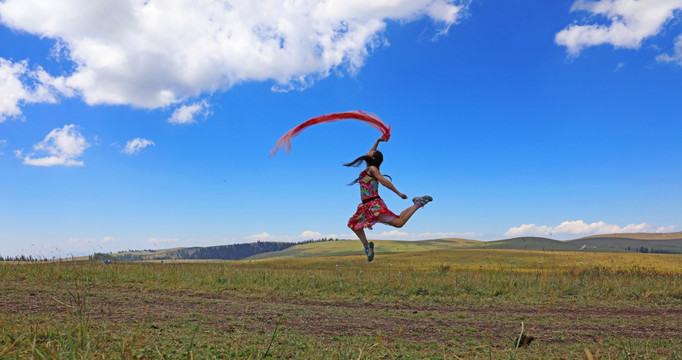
(579, 227)
(83, 246)
(666, 229)
(529, 229)
(106, 239)
(157, 241)
(19, 85)
(629, 22)
(63, 147)
(311, 234)
(262, 237)
(187, 114)
(3, 143)
(136, 145)
(305, 235)
(153, 54)
(676, 55)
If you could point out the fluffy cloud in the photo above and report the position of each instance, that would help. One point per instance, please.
(676, 56)
(106, 239)
(153, 54)
(306, 235)
(529, 229)
(136, 145)
(311, 234)
(20, 85)
(157, 241)
(187, 114)
(83, 246)
(262, 236)
(579, 227)
(629, 22)
(62, 146)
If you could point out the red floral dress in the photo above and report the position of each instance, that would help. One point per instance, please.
(372, 209)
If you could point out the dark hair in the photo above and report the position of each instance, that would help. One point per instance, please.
(375, 160)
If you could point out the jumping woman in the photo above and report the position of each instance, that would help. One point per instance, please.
(373, 209)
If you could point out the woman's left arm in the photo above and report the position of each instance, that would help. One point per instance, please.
(376, 144)
(385, 182)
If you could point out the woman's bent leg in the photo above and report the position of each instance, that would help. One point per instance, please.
(404, 216)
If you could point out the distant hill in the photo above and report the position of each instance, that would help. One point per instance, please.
(221, 252)
(643, 242)
(670, 243)
(529, 243)
(650, 243)
(639, 236)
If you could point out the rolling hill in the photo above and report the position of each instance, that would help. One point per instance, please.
(221, 252)
(641, 242)
(529, 243)
(654, 243)
(666, 243)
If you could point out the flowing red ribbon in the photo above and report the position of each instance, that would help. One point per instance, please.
(368, 118)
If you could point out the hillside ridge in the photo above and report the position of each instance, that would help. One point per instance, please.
(670, 243)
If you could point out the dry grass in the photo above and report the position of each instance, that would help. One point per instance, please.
(76, 325)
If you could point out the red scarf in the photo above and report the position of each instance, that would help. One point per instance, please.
(369, 118)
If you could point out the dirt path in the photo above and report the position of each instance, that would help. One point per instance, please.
(404, 322)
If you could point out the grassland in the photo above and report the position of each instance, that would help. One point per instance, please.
(436, 304)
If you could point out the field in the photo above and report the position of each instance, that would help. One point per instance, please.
(437, 304)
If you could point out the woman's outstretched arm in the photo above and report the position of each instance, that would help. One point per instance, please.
(376, 144)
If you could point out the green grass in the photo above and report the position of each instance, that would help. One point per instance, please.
(255, 309)
(353, 247)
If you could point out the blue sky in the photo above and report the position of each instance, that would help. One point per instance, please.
(143, 124)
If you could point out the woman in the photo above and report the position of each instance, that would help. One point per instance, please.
(373, 209)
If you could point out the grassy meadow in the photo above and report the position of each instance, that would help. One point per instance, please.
(434, 304)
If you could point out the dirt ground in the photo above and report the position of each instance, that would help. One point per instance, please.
(399, 322)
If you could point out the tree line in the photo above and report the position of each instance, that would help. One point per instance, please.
(646, 250)
(220, 252)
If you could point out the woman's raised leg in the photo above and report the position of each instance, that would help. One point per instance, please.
(404, 216)
(407, 213)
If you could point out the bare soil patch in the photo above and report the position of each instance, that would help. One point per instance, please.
(329, 319)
